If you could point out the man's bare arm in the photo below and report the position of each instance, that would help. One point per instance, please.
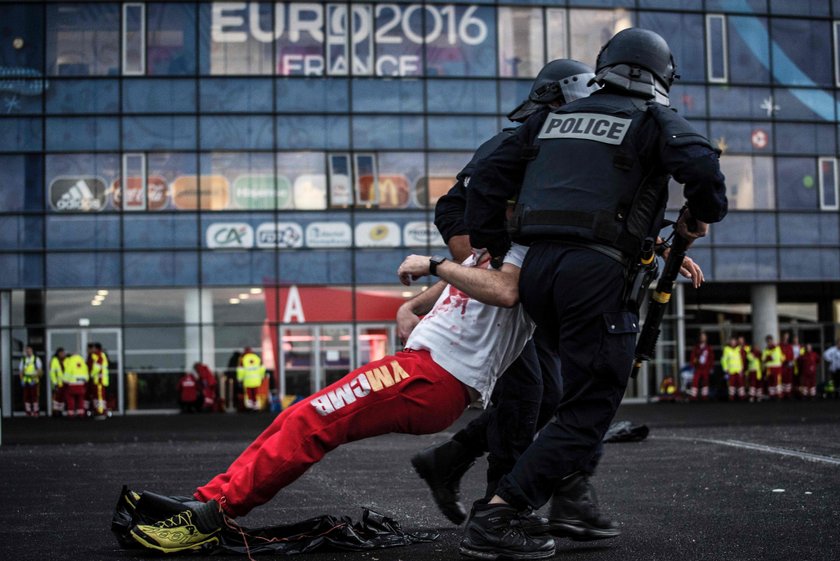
(490, 286)
(421, 304)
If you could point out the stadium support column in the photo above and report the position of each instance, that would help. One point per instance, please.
(765, 317)
(200, 340)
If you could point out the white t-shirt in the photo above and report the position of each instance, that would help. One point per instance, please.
(473, 341)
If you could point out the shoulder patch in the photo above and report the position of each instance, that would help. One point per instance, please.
(585, 126)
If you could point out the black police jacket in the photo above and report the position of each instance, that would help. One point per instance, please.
(592, 157)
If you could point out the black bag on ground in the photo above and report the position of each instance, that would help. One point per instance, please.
(374, 531)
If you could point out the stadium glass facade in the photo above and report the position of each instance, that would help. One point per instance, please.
(181, 180)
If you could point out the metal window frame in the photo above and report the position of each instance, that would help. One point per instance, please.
(125, 8)
(725, 47)
(141, 156)
(823, 205)
(835, 35)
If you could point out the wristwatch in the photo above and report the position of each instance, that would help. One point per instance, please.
(434, 261)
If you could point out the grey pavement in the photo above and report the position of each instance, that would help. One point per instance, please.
(713, 481)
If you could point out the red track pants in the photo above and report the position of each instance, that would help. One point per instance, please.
(404, 393)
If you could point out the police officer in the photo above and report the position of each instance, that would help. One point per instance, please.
(591, 179)
(529, 391)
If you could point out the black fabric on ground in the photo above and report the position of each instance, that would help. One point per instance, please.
(626, 431)
(374, 531)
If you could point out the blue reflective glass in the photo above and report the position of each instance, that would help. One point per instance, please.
(236, 132)
(750, 264)
(800, 7)
(319, 266)
(156, 95)
(672, 4)
(21, 232)
(796, 185)
(811, 229)
(160, 268)
(159, 133)
(749, 50)
(21, 134)
(603, 3)
(803, 138)
(683, 32)
(22, 185)
(69, 270)
(21, 270)
(378, 96)
(804, 104)
(802, 52)
(467, 47)
(810, 264)
(465, 133)
(163, 231)
(387, 132)
(170, 39)
(313, 95)
(237, 268)
(81, 231)
(26, 24)
(73, 134)
(236, 95)
(512, 93)
(746, 228)
(743, 103)
(82, 96)
(742, 137)
(83, 39)
(461, 96)
(689, 101)
(377, 266)
(736, 6)
(20, 96)
(317, 132)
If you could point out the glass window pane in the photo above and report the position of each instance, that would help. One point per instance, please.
(156, 357)
(810, 264)
(251, 177)
(134, 38)
(82, 96)
(305, 172)
(154, 95)
(66, 307)
(749, 49)
(237, 38)
(21, 135)
(70, 270)
(236, 132)
(809, 229)
(685, 34)
(742, 136)
(828, 183)
(160, 268)
(172, 181)
(749, 182)
(22, 38)
(154, 306)
(716, 47)
(466, 44)
(82, 133)
(461, 96)
(749, 228)
(300, 49)
(796, 184)
(399, 39)
(804, 138)
(399, 174)
(162, 231)
(387, 132)
(159, 133)
(83, 39)
(745, 264)
(380, 96)
(234, 267)
(556, 33)
(21, 232)
(520, 41)
(21, 270)
(236, 95)
(83, 232)
(22, 188)
(81, 182)
(802, 52)
(460, 133)
(800, 7)
(741, 103)
(316, 132)
(170, 39)
(312, 95)
(590, 29)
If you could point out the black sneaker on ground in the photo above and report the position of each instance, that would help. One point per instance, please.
(494, 532)
(196, 528)
(574, 512)
(442, 468)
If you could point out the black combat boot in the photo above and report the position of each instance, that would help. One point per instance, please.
(442, 468)
(495, 531)
(574, 512)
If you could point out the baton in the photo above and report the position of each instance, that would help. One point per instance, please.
(657, 303)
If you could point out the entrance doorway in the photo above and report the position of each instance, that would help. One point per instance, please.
(76, 341)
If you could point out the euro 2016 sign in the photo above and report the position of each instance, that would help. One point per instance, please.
(372, 39)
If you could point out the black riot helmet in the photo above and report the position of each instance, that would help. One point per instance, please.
(559, 82)
(638, 61)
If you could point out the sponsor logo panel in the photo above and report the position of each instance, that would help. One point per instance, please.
(328, 234)
(230, 235)
(377, 234)
(154, 197)
(280, 235)
(212, 191)
(421, 234)
(79, 193)
(261, 192)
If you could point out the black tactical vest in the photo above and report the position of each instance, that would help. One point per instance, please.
(587, 181)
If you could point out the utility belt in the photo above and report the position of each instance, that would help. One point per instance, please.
(611, 252)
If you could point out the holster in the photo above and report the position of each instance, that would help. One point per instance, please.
(638, 279)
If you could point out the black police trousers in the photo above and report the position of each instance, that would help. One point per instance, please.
(574, 295)
(523, 400)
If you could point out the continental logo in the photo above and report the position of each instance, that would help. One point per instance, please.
(211, 192)
(374, 380)
(585, 126)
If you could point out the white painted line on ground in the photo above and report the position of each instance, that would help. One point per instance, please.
(759, 447)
